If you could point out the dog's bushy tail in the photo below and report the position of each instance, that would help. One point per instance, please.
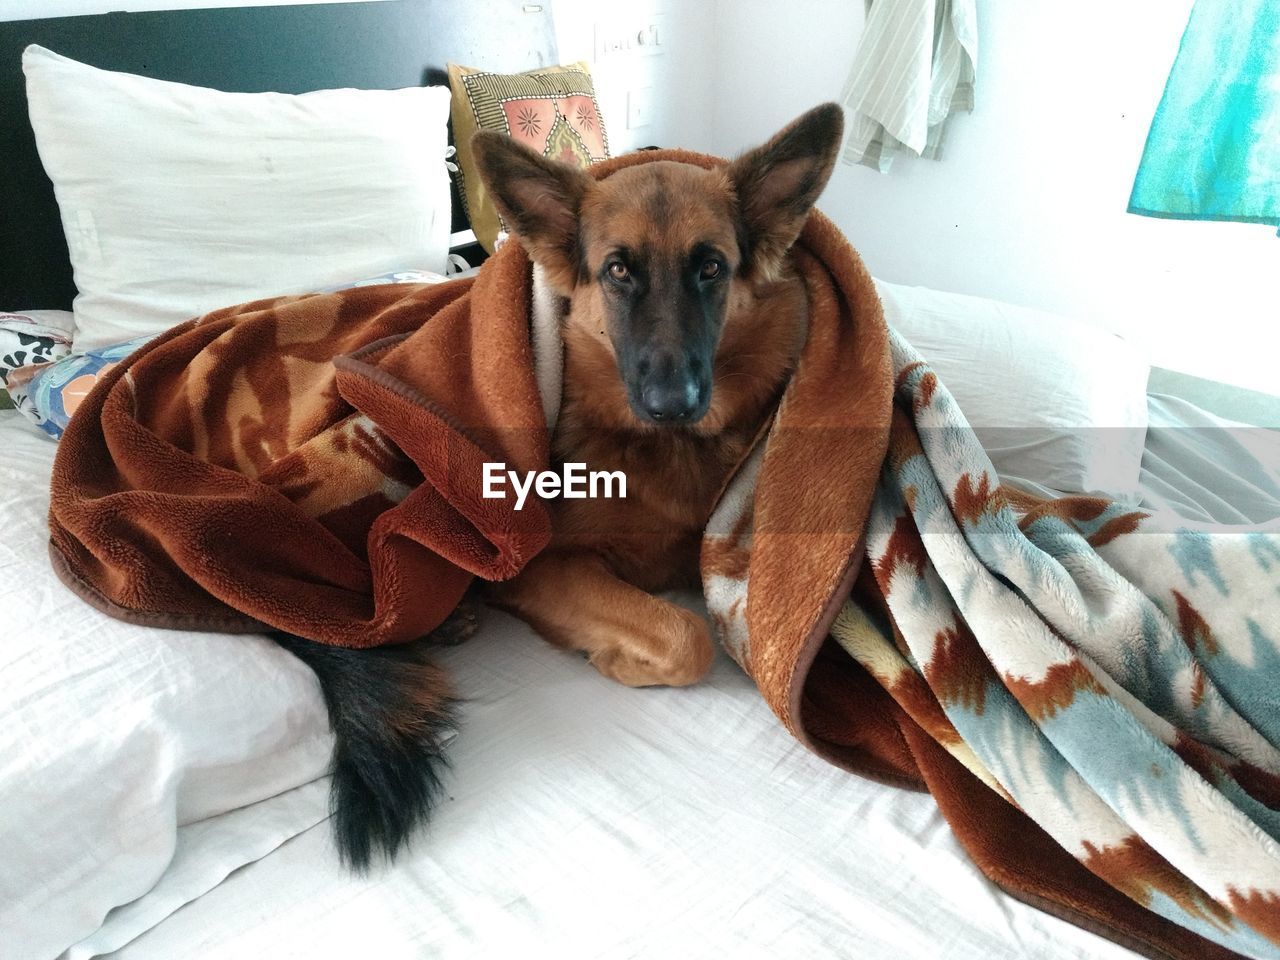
(391, 711)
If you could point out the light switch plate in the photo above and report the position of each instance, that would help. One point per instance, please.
(641, 35)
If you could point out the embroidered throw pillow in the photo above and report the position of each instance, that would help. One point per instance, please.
(551, 109)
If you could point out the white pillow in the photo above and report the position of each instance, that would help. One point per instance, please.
(134, 762)
(1054, 401)
(177, 200)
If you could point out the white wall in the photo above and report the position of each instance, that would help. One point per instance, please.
(680, 79)
(1028, 203)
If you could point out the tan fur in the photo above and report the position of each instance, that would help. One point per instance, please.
(591, 589)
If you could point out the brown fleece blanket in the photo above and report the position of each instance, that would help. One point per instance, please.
(313, 464)
(309, 464)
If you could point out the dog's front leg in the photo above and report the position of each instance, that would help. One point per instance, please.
(575, 601)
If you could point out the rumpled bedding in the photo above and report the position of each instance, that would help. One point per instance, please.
(1088, 693)
(1208, 469)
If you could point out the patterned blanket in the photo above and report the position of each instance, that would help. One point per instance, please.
(1117, 683)
(1092, 701)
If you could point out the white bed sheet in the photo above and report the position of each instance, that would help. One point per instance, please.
(1201, 467)
(1199, 470)
(584, 819)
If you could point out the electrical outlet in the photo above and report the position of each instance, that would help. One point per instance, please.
(610, 40)
(639, 107)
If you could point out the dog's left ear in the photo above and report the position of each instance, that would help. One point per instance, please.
(777, 184)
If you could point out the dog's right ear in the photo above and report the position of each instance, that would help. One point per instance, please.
(538, 198)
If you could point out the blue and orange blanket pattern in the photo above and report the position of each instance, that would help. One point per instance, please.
(1116, 681)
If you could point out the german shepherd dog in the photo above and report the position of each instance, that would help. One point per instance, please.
(685, 319)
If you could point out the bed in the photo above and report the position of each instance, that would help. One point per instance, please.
(582, 818)
(585, 819)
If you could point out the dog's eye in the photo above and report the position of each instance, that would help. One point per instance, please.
(618, 270)
(710, 270)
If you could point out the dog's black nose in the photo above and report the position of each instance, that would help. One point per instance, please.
(673, 401)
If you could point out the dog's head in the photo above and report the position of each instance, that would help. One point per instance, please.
(659, 247)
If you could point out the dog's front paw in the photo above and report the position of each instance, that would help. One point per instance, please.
(629, 670)
(683, 663)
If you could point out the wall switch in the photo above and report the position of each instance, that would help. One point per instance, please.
(650, 37)
(640, 35)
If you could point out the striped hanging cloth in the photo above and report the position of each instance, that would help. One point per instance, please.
(915, 66)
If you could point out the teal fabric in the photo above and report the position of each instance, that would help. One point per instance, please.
(1213, 151)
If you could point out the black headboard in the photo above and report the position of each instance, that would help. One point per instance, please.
(287, 49)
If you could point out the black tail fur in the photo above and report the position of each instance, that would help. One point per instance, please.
(390, 710)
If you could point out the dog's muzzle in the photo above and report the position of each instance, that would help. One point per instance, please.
(670, 389)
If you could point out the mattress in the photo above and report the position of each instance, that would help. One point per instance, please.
(584, 819)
